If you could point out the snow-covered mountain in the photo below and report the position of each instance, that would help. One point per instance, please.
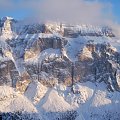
(56, 71)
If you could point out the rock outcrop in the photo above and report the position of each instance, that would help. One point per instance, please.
(8, 73)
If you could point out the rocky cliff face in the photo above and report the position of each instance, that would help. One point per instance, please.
(60, 53)
(8, 72)
(103, 65)
(7, 29)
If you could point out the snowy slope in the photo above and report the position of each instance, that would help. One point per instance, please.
(93, 101)
(11, 101)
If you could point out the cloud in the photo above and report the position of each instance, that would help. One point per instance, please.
(70, 11)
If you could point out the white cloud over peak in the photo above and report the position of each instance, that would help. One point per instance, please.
(71, 11)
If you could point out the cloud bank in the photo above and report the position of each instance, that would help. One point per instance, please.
(70, 11)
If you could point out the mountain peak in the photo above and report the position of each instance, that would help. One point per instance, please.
(6, 18)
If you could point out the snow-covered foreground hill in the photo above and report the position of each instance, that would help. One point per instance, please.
(90, 102)
(56, 71)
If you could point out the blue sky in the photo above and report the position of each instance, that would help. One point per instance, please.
(18, 13)
(115, 8)
(21, 9)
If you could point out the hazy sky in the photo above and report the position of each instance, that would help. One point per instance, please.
(85, 11)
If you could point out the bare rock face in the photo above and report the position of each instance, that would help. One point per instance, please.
(50, 72)
(33, 29)
(8, 73)
(6, 26)
(102, 65)
(60, 69)
(95, 61)
(86, 30)
(73, 31)
(42, 44)
(30, 54)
